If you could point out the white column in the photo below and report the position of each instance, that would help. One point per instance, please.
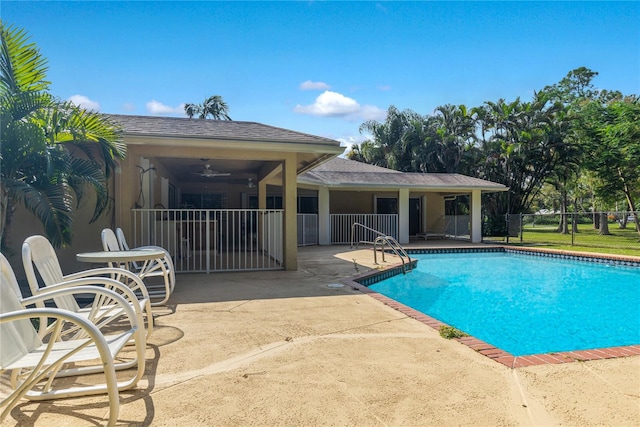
(403, 216)
(289, 203)
(476, 216)
(423, 212)
(324, 217)
(262, 195)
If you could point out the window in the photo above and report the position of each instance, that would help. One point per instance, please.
(308, 205)
(386, 205)
(205, 201)
(305, 204)
(273, 202)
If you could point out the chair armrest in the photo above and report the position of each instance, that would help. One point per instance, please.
(55, 313)
(134, 282)
(59, 314)
(132, 311)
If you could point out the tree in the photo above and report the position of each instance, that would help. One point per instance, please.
(611, 135)
(388, 147)
(213, 106)
(574, 88)
(519, 149)
(52, 151)
(454, 134)
(409, 142)
(574, 91)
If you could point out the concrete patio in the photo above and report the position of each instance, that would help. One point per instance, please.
(285, 348)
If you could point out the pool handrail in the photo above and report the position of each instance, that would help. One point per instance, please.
(381, 239)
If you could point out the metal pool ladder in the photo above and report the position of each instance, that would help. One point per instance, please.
(382, 239)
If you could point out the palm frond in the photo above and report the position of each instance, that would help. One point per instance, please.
(87, 173)
(19, 142)
(92, 133)
(22, 66)
(51, 204)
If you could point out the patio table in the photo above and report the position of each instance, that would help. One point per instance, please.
(121, 257)
(151, 260)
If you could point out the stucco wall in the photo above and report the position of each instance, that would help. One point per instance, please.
(343, 202)
(435, 212)
(86, 237)
(356, 202)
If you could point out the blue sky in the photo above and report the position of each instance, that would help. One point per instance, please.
(324, 67)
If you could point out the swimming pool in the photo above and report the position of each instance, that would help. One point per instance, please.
(524, 304)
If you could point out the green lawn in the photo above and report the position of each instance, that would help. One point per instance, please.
(621, 241)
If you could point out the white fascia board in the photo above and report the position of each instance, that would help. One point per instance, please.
(297, 147)
(411, 187)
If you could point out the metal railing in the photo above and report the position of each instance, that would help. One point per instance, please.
(341, 226)
(307, 229)
(381, 239)
(610, 230)
(458, 226)
(206, 240)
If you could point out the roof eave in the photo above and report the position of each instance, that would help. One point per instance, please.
(263, 145)
(484, 189)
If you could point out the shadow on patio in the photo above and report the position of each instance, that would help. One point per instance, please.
(282, 348)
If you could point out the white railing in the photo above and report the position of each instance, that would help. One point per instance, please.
(382, 240)
(206, 240)
(341, 224)
(307, 229)
(458, 226)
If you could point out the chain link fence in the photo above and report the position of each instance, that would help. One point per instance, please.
(611, 230)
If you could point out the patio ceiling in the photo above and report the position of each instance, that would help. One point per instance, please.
(187, 170)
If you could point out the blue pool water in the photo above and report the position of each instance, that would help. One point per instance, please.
(524, 304)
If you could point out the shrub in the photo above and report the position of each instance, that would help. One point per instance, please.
(450, 332)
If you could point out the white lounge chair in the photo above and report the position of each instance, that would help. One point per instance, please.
(163, 268)
(35, 365)
(168, 261)
(38, 254)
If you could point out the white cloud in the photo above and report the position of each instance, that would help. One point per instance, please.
(84, 102)
(128, 106)
(158, 108)
(334, 104)
(348, 141)
(384, 88)
(330, 104)
(371, 112)
(309, 85)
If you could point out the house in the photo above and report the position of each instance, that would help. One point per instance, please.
(417, 200)
(231, 195)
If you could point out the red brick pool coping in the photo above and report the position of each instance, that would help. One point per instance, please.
(489, 350)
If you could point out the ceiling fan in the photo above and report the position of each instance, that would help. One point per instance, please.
(207, 172)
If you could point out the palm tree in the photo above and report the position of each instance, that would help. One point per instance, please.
(388, 147)
(213, 106)
(454, 134)
(51, 151)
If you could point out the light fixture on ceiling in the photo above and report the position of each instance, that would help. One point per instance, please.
(250, 183)
(207, 172)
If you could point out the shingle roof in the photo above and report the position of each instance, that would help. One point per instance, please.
(339, 172)
(182, 127)
(339, 164)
